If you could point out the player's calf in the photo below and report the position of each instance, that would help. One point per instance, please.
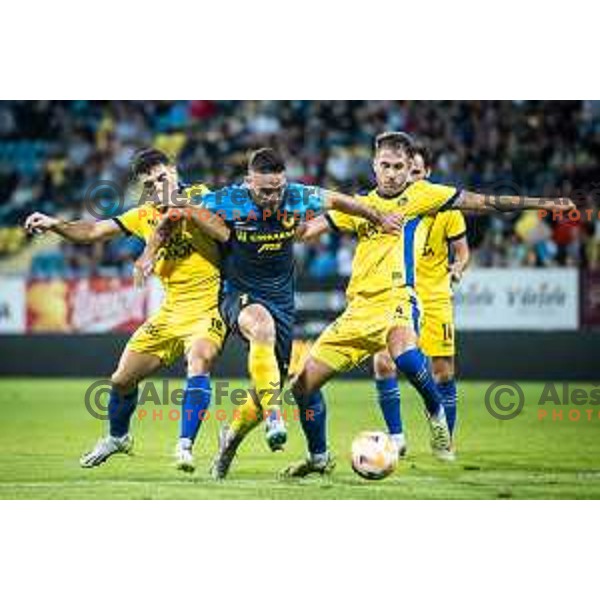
(258, 327)
(443, 373)
(122, 403)
(388, 396)
(306, 389)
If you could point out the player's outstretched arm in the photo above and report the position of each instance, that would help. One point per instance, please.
(79, 232)
(482, 203)
(390, 223)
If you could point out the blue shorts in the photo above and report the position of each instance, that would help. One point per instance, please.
(233, 301)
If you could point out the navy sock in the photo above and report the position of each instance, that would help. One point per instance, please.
(313, 416)
(196, 401)
(448, 391)
(388, 393)
(120, 409)
(416, 367)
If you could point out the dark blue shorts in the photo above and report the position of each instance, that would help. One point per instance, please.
(232, 303)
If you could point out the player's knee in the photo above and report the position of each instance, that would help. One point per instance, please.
(257, 324)
(383, 365)
(200, 358)
(265, 332)
(307, 382)
(400, 340)
(300, 387)
(122, 382)
(443, 369)
(297, 386)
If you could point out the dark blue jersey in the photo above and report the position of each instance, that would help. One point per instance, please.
(259, 257)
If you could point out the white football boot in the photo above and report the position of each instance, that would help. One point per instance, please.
(184, 459)
(399, 442)
(228, 445)
(441, 443)
(322, 464)
(106, 447)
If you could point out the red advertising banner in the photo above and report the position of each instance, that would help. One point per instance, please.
(85, 305)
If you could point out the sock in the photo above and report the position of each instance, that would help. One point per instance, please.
(416, 367)
(313, 417)
(245, 417)
(448, 391)
(264, 373)
(120, 410)
(388, 393)
(196, 400)
(398, 439)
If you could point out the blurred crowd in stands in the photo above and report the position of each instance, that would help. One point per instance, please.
(50, 153)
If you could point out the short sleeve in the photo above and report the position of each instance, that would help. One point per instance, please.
(424, 198)
(340, 221)
(305, 198)
(130, 222)
(455, 226)
(230, 203)
(209, 201)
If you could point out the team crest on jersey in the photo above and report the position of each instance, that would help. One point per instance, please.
(367, 230)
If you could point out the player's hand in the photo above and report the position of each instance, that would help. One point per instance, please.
(565, 204)
(38, 222)
(456, 270)
(142, 269)
(300, 231)
(392, 223)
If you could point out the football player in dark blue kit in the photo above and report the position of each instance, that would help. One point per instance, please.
(263, 215)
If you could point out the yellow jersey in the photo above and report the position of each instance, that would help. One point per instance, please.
(189, 262)
(433, 277)
(385, 263)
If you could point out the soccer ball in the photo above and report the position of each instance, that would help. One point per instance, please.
(374, 455)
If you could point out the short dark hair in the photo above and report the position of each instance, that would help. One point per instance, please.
(424, 151)
(145, 159)
(396, 140)
(266, 161)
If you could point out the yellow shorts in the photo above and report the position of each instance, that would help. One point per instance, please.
(170, 332)
(362, 330)
(437, 334)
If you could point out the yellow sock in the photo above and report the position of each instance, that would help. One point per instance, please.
(245, 417)
(264, 373)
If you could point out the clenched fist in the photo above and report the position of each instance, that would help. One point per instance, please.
(38, 222)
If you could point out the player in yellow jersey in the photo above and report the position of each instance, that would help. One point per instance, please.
(382, 311)
(188, 321)
(443, 261)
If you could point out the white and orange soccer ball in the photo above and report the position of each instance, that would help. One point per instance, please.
(374, 455)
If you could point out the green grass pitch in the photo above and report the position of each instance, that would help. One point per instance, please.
(45, 427)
